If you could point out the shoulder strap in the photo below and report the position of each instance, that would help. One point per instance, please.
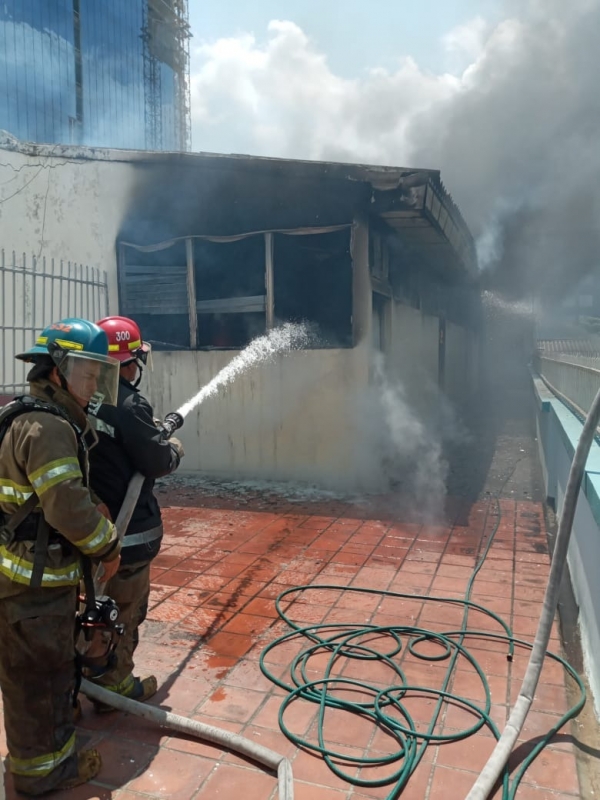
(21, 405)
(25, 403)
(21, 514)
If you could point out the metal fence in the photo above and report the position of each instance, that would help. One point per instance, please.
(575, 379)
(33, 293)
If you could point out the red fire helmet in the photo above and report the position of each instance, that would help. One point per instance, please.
(124, 339)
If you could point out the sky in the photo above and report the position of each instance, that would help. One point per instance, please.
(232, 41)
(500, 95)
(354, 35)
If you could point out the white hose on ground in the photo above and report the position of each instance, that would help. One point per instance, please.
(230, 741)
(486, 781)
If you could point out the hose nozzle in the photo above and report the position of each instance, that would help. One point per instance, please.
(172, 422)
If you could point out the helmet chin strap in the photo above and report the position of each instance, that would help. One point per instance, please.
(58, 355)
(139, 377)
(140, 367)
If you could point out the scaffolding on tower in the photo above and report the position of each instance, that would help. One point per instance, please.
(165, 37)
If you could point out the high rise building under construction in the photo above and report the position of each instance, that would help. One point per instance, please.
(105, 73)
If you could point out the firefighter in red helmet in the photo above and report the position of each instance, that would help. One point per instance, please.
(129, 442)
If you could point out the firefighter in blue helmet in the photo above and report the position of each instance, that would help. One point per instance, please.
(50, 528)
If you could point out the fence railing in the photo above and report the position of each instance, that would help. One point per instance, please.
(35, 292)
(575, 379)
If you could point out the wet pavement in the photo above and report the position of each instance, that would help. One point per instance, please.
(230, 550)
(213, 612)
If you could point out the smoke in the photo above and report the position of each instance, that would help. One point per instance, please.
(518, 147)
(404, 453)
(514, 132)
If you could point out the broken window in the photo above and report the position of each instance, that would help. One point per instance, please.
(230, 292)
(153, 292)
(312, 277)
(203, 293)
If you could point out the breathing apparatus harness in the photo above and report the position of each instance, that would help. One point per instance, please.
(23, 525)
(100, 613)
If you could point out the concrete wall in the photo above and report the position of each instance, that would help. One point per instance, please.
(413, 350)
(558, 434)
(298, 418)
(462, 363)
(65, 209)
(413, 355)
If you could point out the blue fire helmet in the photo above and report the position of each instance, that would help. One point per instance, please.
(79, 349)
(72, 334)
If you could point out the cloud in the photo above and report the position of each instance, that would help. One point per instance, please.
(514, 131)
(282, 99)
(465, 43)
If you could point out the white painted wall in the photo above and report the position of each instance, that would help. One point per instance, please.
(298, 418)
(462, 357)
(302, 418)
(413, 350)
(64, 209)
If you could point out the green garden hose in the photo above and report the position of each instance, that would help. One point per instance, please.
(384, 707)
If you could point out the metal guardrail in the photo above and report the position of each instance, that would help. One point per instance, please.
(33, 293)
(574, 379)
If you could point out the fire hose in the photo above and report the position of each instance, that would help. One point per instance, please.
(484, 785)
(231, 741)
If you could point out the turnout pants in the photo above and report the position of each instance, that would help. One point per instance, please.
(37, 677)
(130, 589)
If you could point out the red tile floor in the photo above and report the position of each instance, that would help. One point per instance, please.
(212, 612)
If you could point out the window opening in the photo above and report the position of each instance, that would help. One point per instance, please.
(230, 292)
(153, 290)
(312, 278)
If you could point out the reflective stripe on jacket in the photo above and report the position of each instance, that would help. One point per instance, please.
(39, 453)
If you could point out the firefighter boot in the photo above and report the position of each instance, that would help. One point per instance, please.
(89, 764)
(140, 689)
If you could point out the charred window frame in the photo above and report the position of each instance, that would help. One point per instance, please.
(230, 292)
(153, 290)
(312, 277)
(212, 292)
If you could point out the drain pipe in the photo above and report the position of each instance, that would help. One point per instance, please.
(230, 741)
(491, 772)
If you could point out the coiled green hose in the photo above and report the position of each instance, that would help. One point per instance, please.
(386, 709)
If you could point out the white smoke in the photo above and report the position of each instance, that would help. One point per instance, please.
(403, 451)
(514, 131)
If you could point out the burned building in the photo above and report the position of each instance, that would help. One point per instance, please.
(207, 251)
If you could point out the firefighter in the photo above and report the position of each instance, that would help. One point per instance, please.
(129, 442)
(49, 527)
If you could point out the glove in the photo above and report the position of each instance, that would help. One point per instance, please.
(177, 446)
(106, 569)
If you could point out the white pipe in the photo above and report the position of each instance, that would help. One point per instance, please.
(486, 781)
(208, 733)
(131, 497)
(125, 512)
(231, 741)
